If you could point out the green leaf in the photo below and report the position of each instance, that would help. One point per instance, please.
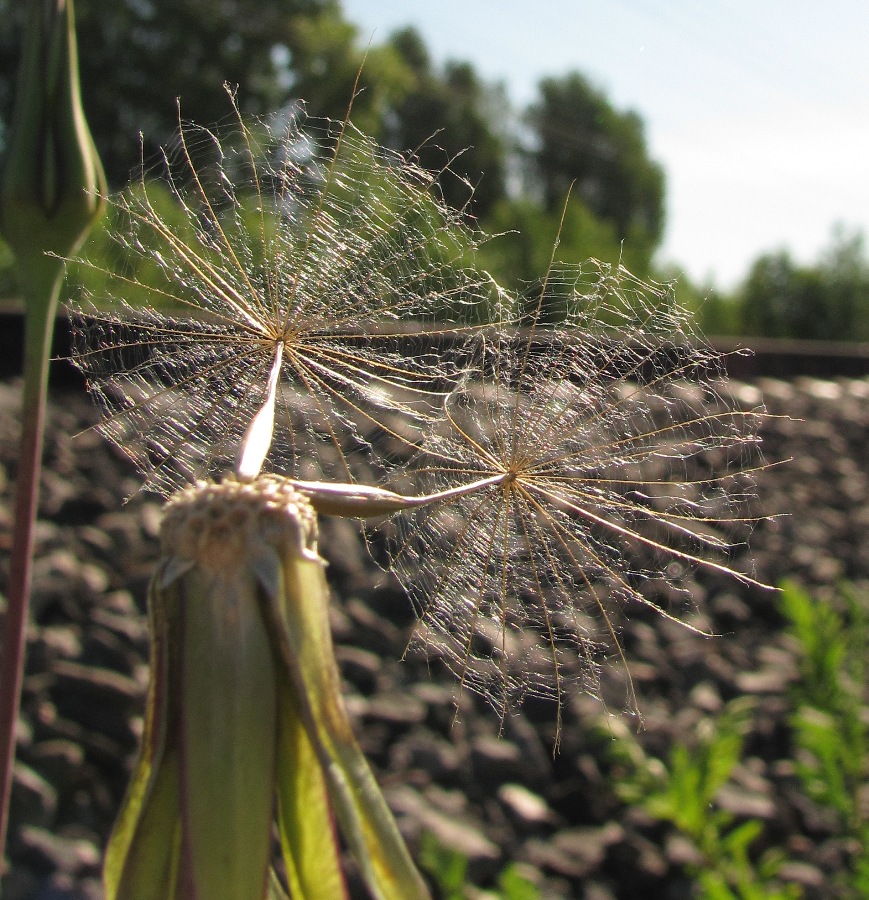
(448, 867)
(151, 869)
(53, 184)
(514, 886)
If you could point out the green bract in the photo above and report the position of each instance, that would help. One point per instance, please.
(245, 722)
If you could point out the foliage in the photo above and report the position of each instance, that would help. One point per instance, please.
(325, 60)
(827, 301)
(830, 731)
(717, 313)
(830, 749)
(694, 775)
(138, 57)
(683, 791)
(452, 118)
(449, 871)
(582, 138)
(525, 232)
(109, 257)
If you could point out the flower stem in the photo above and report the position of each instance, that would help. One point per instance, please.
(39, 326)
(51, 193)
(359, 501)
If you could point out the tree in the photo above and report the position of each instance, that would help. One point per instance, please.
(780, 299)
(325, 58)
(138, 56)
(520, 255)
(583, 139)
(451, 118)
(828, 301)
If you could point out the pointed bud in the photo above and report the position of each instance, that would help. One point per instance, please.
(52, 188)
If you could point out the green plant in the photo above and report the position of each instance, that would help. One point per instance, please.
(449, 870)
(245, 723)
(683, 791)
(830, 731)
(447, 867)
(50, 195)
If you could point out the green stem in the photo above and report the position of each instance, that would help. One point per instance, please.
(44, 289)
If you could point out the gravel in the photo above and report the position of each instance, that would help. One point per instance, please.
(495, 793)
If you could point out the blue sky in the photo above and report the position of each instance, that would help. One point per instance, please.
(758, 109)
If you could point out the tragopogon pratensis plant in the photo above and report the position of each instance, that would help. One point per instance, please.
(268, 264)
(537, 479)
(599, 447)
(50, 196)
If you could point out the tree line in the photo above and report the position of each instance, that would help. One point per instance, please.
(511, 170)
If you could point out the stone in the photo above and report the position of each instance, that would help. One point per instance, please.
(33, 799)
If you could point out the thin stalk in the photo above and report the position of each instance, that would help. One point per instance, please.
(359, 501)
(43, 292)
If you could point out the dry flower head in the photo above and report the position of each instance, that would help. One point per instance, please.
(561, 473)
(623, 467)
(290, 248)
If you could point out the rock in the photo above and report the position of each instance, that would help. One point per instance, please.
(20, 883)
(573, 852)
(706, 697)
(530, 810)
(33, 799)
(58, 761)
(494, 795)
(372, 631)
(437, 759)
(770, 680)
(644, 858)
(58, 852)
(795, 872)
(100, 700)
(455, 830)
(358, 666)
(66, 887)
(682, 852)
(103, 649)
(397, 708)
(495, 761)
(743, 804)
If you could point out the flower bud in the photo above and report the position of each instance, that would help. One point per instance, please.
(53, 186)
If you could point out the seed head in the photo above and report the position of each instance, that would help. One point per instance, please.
(620, 462)
(295, 240)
